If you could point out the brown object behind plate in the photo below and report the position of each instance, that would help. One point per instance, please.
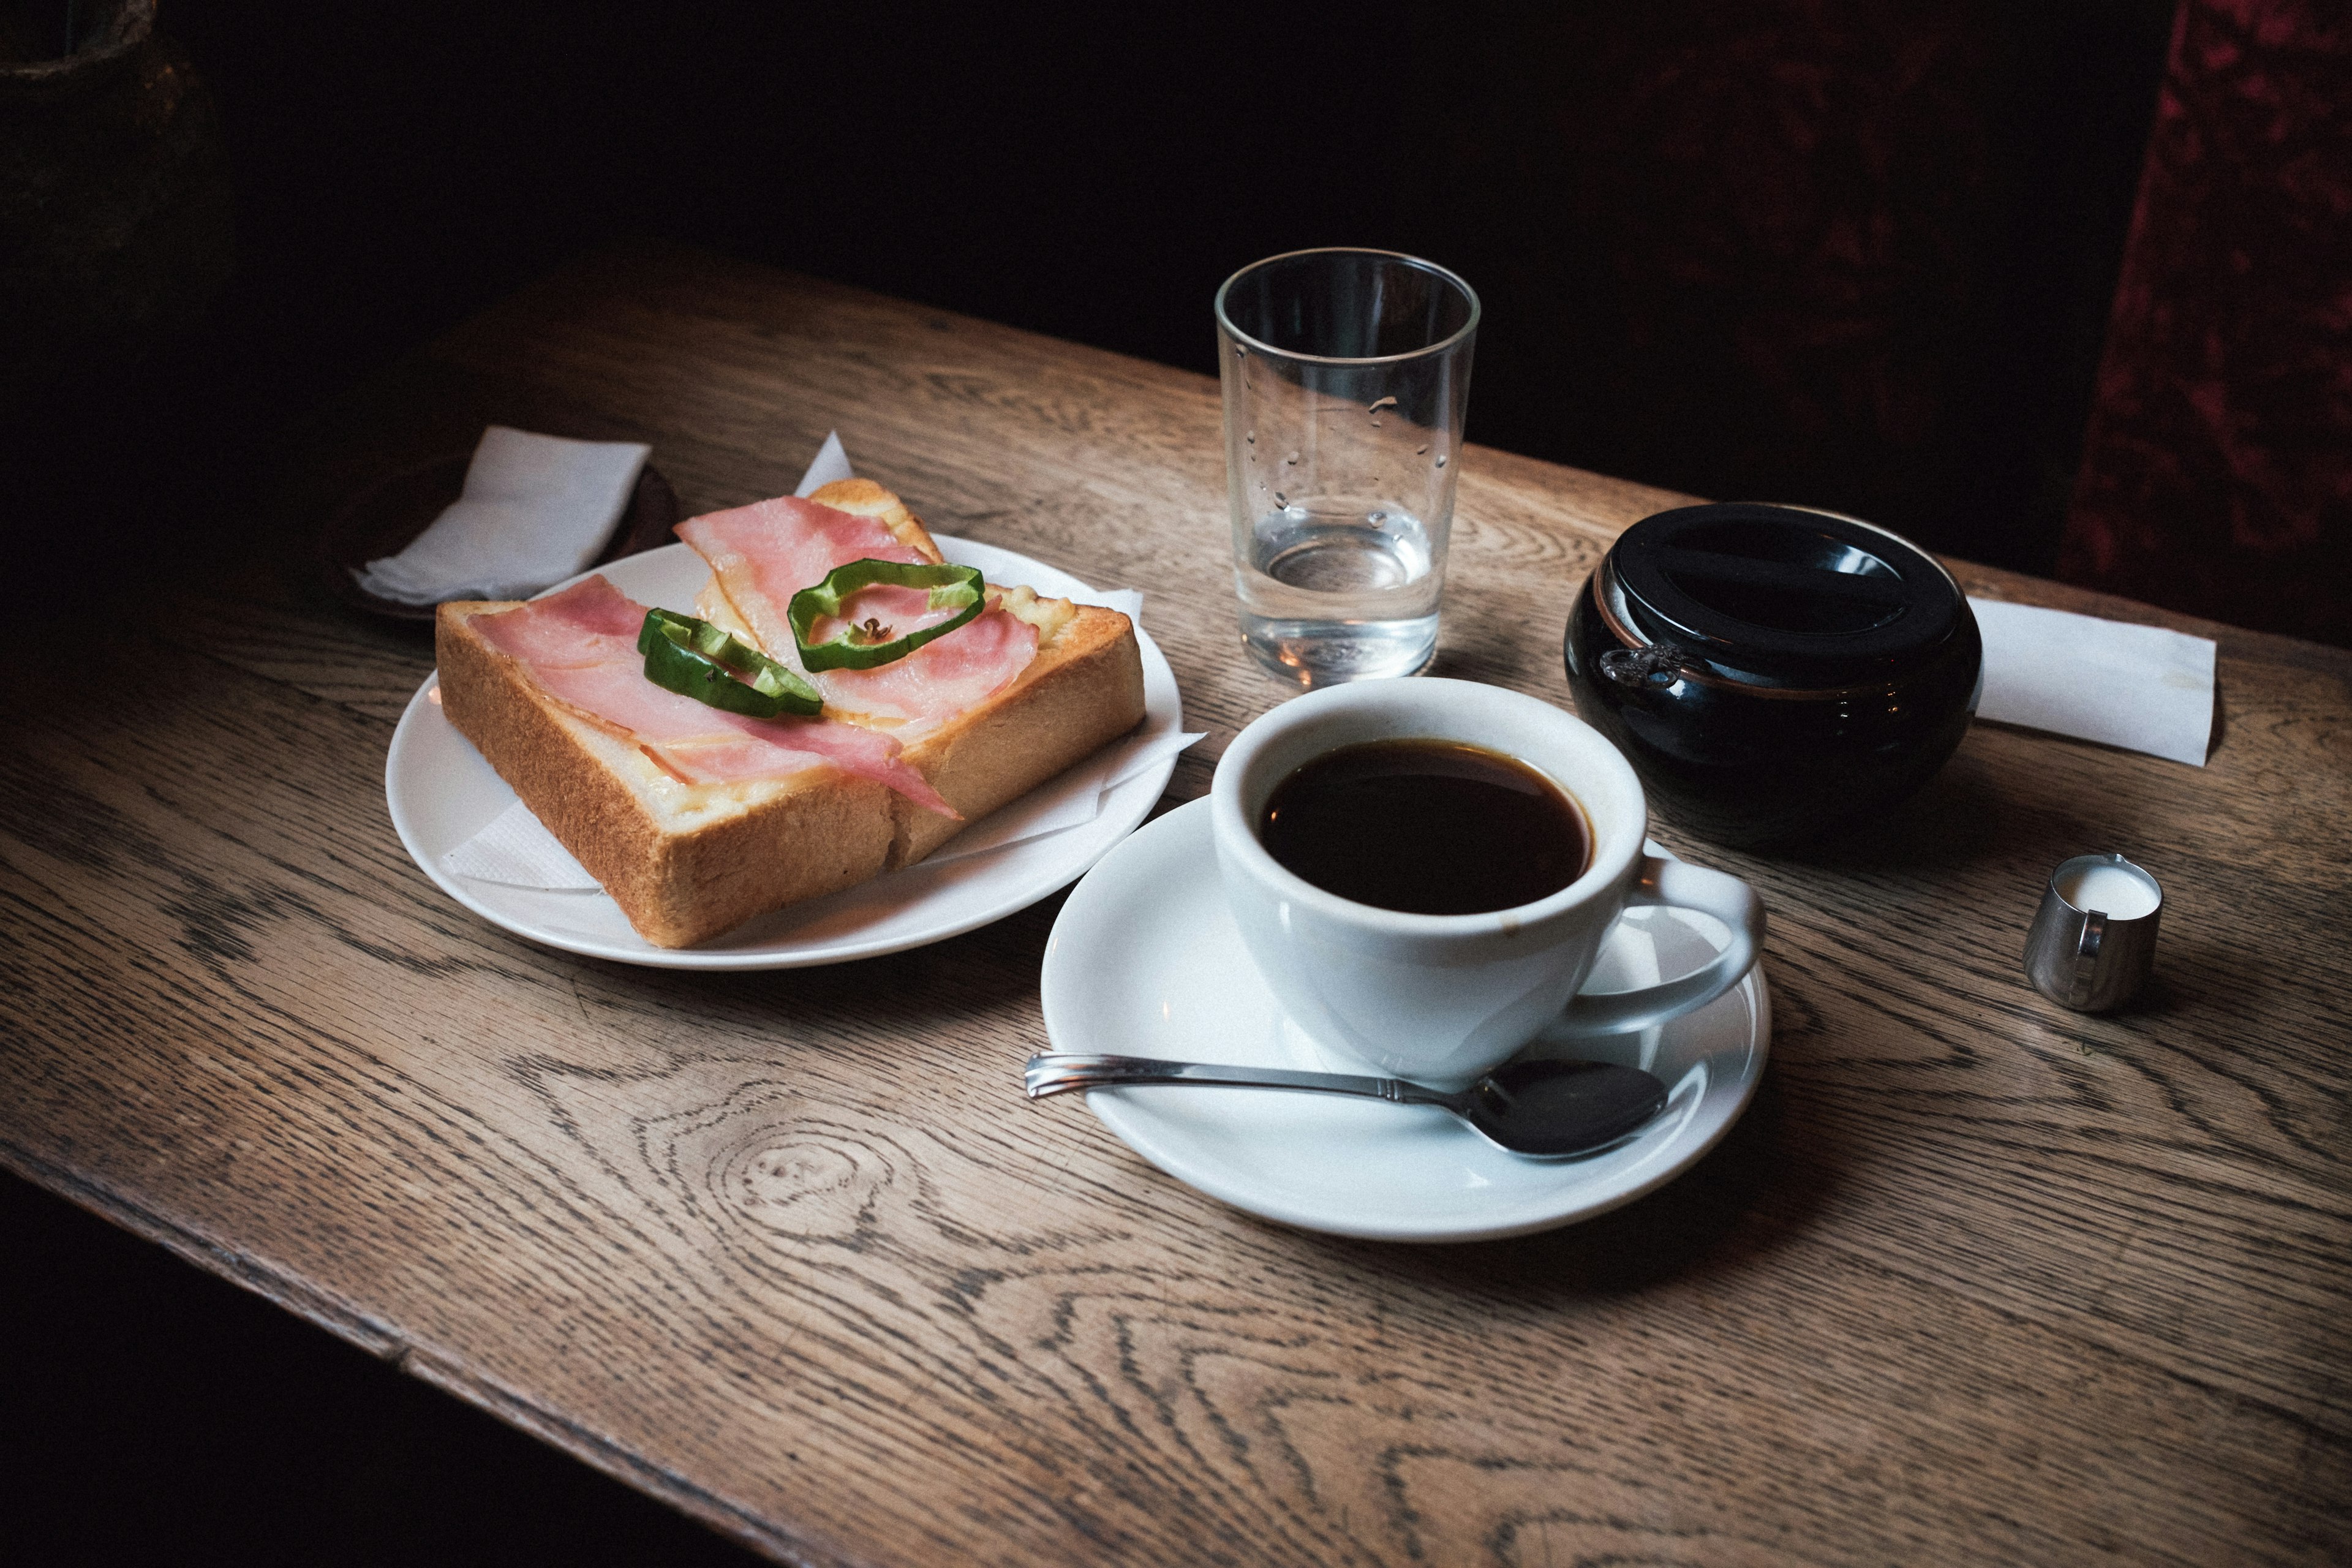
(386, 517)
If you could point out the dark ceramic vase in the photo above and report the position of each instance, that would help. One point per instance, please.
(1773, 673)
(115, 232)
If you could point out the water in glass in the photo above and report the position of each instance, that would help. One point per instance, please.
(1338, 591)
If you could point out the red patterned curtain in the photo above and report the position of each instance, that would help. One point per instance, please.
(2217, 468)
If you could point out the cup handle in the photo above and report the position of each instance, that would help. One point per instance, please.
(1677, 885)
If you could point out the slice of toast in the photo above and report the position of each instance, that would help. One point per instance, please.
(686, 862)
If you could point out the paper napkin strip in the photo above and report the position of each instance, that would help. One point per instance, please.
(831, 465)
(517, 850)
(534, 510)
(2146, 689)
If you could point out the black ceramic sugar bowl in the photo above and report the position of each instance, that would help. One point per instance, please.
(1773, 672)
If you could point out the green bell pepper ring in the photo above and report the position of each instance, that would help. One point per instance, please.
(699, 661)
(865, 646)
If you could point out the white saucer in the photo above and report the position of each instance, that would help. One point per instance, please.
(1144, 960)
(442, 793)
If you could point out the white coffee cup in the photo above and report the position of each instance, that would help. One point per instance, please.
(1441, 999)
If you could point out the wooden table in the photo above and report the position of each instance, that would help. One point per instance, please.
(1976, 1279)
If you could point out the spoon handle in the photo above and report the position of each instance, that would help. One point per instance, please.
(1059, 1073)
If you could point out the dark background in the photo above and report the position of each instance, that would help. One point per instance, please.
(1853, 254)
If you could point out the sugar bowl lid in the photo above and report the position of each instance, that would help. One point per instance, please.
(1781, 594)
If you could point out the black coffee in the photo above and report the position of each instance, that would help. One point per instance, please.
(1429, 827)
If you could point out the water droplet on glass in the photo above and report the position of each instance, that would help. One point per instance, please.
(1440, 459)
(1280, 499)
(1292, 458)
(1250, 438)
(1383, 403)
(1419, 451)
(1378, 517)
(1240, 352)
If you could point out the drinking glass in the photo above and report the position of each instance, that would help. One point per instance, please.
(1345, 373)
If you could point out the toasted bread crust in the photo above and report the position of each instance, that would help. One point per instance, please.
(687, 862)
(1083, 689)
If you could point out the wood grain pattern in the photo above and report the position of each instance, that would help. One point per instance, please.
(1977, 1279)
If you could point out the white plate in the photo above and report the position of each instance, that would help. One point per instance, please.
(1144, 960)
(442, 793)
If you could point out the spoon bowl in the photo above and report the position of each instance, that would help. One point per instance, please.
(1543, 1109)
(1554, 1110)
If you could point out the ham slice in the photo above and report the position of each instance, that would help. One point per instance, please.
(580, 648)
(938, 679)
(763, 554)
(899, 611)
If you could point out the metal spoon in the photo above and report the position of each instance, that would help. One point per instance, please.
(1549, 1109)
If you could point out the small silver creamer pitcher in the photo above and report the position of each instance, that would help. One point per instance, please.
(2093, 939)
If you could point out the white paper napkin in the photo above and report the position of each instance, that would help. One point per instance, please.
(517, 850)
(534, 510)
(2144, 689)
(832, 464)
